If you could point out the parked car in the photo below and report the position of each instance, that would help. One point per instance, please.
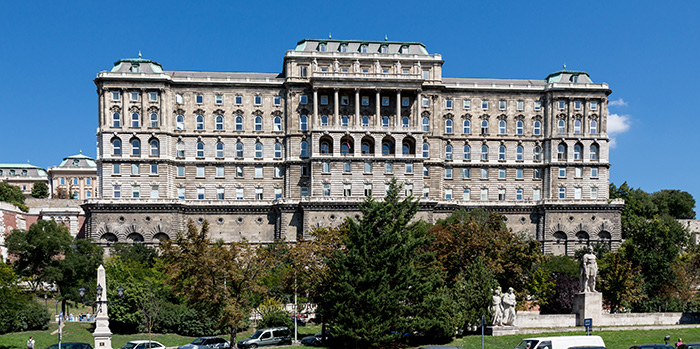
(145, 344)
(207, 343)
(316, 340)
(689, 346)
(71, 345)
(560, 342)
(652, 346)
(267, 336)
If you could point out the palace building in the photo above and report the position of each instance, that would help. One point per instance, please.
(263, 156)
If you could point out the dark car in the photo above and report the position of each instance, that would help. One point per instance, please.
(71, 345)
(588, 347)
(316, 340)
(689, 346)
(207, 343)
(652, 346)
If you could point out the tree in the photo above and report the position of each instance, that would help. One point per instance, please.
(12, 194)
(620, 281)
(37, 249)
(18, 311)
(675, 203)
(40, 190)
(384, 282)
(77, 268)
(562, 300)
(472, 293)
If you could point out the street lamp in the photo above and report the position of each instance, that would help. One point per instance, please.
(120, 292)
(81, 291)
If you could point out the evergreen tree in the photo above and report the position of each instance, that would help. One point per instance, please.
(12, 194)
(385, 283)
(40, 190)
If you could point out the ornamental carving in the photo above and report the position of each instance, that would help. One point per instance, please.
(561, 116)
(467, 116)
(502, 117)
(153, 109)
(484, 117)
(257, 112)
(238, 112)
(115, 108)
(199, 111)
(448, 116)
(425, 114)
(219, 112)
(135, 109)
(179, 111)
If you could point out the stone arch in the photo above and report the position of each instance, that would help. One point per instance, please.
(160, 238)
(388, 145)
(560, 243)
(408, 146)
(605, 238)
(108, 238)
(583, 239)
(135, 238)
(347, 145)
(325, 145)
(367, 146)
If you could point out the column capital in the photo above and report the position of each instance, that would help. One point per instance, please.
(315, 89)
(336, 89)
(357, 90)
(419, 91)
(398, 90)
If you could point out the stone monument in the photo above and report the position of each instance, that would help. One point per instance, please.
(508, 301)
(496, 308)
(103, 336)
(588, 304)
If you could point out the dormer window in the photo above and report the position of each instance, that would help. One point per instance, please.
(574, 78)
(322, 47)
(404, 49)
(343, 48)
(134, 68)
(384, 49)
(363, 48)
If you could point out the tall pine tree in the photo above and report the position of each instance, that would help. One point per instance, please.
(384, 285)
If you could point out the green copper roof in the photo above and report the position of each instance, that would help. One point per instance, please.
(362, 41)
(19, 166)
(556, 76)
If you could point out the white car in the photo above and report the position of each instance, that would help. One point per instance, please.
(143, 345)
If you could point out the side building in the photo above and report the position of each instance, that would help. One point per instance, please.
(23, 176)
(75, 178)
(263, 156)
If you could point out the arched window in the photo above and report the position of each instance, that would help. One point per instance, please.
(365, 121)
(561, 151)
(594, 127)
(502, 152)
(325, 146)
(387, 146)
(278, 150)
(467, 127)
(344, 121)
(426, 150)
(484, 152)
(116, 146)
(519, 127)
(594, 152)
(448, 152)
(467, 152)
(484, 127)
(239, 149)
(346, 145)
(200, 149)
(180, 122)
(407, 147)
(324, 120)
(537, 128)
(136, 147)
(155, 147)
(200, 122)
(367, 146)
(448, 126)
(577, 151)
(426, 124)
(180, 148)
(577, 126)
(154, 120)
(277, 123)
(220, 150)
(502, 127)
(537, 153)
(116, 119)
(258, 150)
(304, 149)
(258, 123)
(219, 122)
(135, 120)
(304, 123)
(519, 153)
(405, 121)
(239, 123)
(561, 126)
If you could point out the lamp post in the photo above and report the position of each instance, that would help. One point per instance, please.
(81, 291)
(295, 305)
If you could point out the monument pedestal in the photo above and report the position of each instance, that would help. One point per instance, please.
(502, 330)
(102, 334)
(588, 305)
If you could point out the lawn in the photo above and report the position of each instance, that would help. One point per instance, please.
(81, 332)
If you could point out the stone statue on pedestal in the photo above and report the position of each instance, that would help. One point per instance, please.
(508, 301)
(496, 308)
(589, 272)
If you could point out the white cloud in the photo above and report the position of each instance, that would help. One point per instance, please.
(617, 124)
(618, 103)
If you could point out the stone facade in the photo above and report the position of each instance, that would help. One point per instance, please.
(75, 178)
(23, 176)
(265, 156)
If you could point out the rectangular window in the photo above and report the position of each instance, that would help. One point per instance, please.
(365, 70)
(134, 96)
(278, 171)
(239, 171)
(154, 169)
(448, 103)
(385, 101)
(578, 172)
(324, 100)
(405, 101)
(466, 194)
(448, 173)
(368, 167)
(501, 194)
(467, 103)
(426, 171)
(518, 173)
(409, 168)
(501, 173)
(75, 181)
(448, 194)
(238, 99)
(258, 193)
(239, 193)
(135, 170)
(562, 172)
(577, 193)
(536, 194)
(426, 192)
(594, 193)
(117, 191)
(538, 105)
(484, 173)
(278, 193)
(181, 171)
(199, 99)
(258, 171)
(326, 167)
(200, 171)
(406, 71)
(219, 193)
(465, 173)
(562, 193)
(347, 189)
(344, 100)
(520, 105)
(562, 105)
(326, 189)
(220, 171)
(594, 105)
(368, 189)
(88, 181)
(277, 100)
(484, 194)
(502, 105)
(153, 96)
(577, 105)
(365, 100)
(304, 171)
(484, 104)
(426, 74)
(135, 191)
(219, 99)
(425, 102)
(304, 192)
(389, 168)
(200, 193)
(536, 173)
(408, 189)
(181, 193)
(116, 95)
(88, 194)
(594, 172)
(303, 71)
(257, 100)
(154, 192)
(62, 180)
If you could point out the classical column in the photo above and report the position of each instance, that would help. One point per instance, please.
(357, 107)
(335, 107)
(124, 111)
(315, 122)
(398, 107)
(417, 117)
(378, 111)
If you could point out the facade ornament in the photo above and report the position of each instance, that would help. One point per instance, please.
(588, 272)
(336, 66)
(398, 67)
(315, 65)
(377, 67)
(356, 66)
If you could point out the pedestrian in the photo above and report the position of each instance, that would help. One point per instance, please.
(30, 343)
(679, 343)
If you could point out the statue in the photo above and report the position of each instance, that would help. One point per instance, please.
(589, 272)
(508, 301)
(496, 308)
(377, 67)
(315, 65)
(356, 66)
(336, 66)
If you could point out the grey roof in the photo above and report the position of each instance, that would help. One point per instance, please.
(19, 170)
(393, 47)
(144, 65)
(232, 75)
(482, 81)
(78, 161)
(564, 75)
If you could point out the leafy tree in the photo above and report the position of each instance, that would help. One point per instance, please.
(38, 249)
(561, 302)
(384, 280)
(12, 194)
(140, 254)
(78, 268)
(675, 203)
(620, 281)
(40, 190)
(18, 311)
(472, 294)
(541, 286)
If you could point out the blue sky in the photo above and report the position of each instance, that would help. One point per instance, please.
(648, 52)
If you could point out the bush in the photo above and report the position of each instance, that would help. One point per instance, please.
(276, 319)
(194, 323)
(26, 316)
(562, 301)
